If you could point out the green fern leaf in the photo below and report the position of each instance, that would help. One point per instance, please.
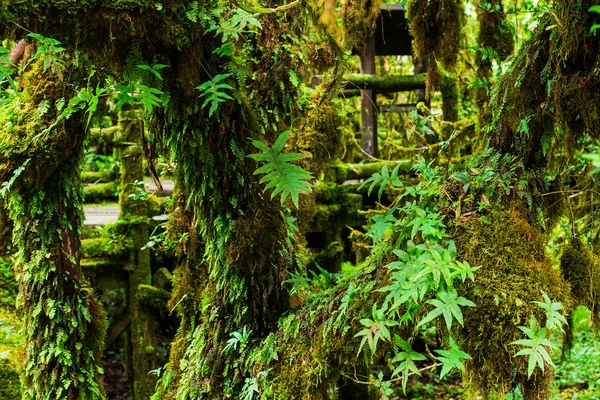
(281, 175)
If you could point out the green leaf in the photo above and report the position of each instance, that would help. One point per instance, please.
(535, 347)
(407, 358)
(382, 179)
(213, 92)
(382, 224)
(452, 358)
(280, 174)
(447, 304)
(553, 316)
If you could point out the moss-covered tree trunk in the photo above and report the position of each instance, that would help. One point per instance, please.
(134, 212)
(64, 322)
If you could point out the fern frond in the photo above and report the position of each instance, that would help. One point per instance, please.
(281, 175)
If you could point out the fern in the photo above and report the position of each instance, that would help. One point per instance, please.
(281, 175)
(214, 92)
(382, 179)
(535, 347)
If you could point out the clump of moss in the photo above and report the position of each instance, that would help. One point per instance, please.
(9, 287)
(10, 387)
(581, 269)
(359, 20)
(494, 32)
(154, 297)
(436, 28)
(321, 136)
(514, 271)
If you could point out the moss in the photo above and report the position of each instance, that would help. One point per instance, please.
(436, 26)
(5, 231)
(449, 90)
(101, 192)
(105, 139)
(514, 271)
(8, 284)
(10, 386)
(359, 17)
(494, 32)
(105, 247)
(580, 267)
(134, 214)
(321, 136)
(97, 177)
(162, 279)
(153, 297)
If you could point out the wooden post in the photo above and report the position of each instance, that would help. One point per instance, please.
(134, 211)
(369, 103)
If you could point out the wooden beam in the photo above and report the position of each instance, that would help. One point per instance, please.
(121, 323)
(397, 108)
(353, 83)
(385, 84)
(368, 109)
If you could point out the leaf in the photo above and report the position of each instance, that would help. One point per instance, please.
(279, 173)
(407, 358)
(382, 179)
(382, 223)
(213, 91)
(447, 304)
(553, 316)
(536, 347)
(452, 358)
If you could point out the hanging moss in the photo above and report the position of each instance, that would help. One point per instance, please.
(494, 33)
(514, 272)
(581, 269)
(551, 86)
(320, 137)
(436, 28)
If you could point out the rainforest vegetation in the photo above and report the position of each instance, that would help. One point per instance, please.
(307, 199)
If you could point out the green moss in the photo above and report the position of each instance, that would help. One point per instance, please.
(8, 284)
(10, 385)
(436, 28)
(105, 247)
(449, 89)
(514, 271)
(105, 139)
(154, 297)
(101, 192)
(321, 137)
(581, 269)
(97, 177)
(494, 32)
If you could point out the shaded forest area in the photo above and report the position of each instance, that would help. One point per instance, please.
(308, 199)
